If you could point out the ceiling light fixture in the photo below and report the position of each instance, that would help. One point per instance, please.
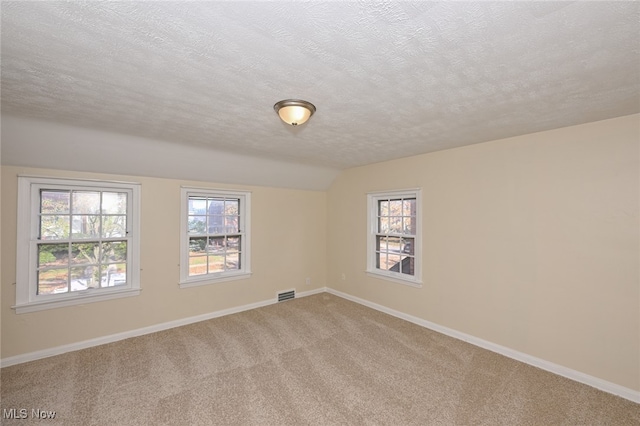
(294, 111)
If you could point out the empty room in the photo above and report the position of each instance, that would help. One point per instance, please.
(290, 213)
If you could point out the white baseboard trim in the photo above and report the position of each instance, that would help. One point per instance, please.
(58, 350)
(577, 376)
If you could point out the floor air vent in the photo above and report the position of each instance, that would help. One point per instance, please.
(286, 295)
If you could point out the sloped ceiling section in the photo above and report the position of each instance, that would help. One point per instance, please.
(389, 79)
(34, 143)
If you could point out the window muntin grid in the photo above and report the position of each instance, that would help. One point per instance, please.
(215, 235)
(82, 240)
(395, 234)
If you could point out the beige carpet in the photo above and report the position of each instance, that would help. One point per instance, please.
(318, 360)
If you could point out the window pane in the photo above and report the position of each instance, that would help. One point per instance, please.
(52, 281)
(197, 224)
(85, 202)
(395, 208)
(216, 206)
(114, 251)
(85, 253)
(197, 265)
(216, 225)
(83, 277)
(114, 226)
(54, 201)
(381, 243)
(197, 246)
(409, 225)
(408, 246)
(395, 224)
(233, 244)
(408, 265)
(409, 207)
(216, 244)
(383, 225)
(197, 205)
(86, 226)
(393, 244)
(384, 208)
(231, 224)
(113, 275)
(386, 261)
(231, 207)
(114, 203)
(53, 255)
(216, 263)
(393, 263)
(54, 227)
(232, 261)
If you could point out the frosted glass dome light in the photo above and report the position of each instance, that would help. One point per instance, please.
(294, 111)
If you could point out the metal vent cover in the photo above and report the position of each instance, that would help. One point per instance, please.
(286, 295)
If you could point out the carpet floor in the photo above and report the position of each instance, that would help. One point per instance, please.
(317, 360)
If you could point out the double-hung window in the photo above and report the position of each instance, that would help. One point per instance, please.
(394, 237)
(215, 236)
(78, 242)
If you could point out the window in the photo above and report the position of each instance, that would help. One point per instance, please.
(78, 242)
(214, 236)
(394, 242)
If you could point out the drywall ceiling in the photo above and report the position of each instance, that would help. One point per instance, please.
(389, 79)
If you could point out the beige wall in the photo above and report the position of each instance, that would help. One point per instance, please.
(529, 242)
(288, 245)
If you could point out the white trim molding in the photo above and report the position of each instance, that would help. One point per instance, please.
(603, 385)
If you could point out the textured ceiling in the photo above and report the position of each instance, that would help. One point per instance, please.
(389, 79)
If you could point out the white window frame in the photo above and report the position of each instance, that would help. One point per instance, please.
(373, 199)
(27, 299)
(244, 272)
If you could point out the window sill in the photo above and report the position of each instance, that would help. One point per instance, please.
(388, 277)
(207, 280)
(78, 299)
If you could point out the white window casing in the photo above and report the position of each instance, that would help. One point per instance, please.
(109, 282)
(215, 236)
(394, 236)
